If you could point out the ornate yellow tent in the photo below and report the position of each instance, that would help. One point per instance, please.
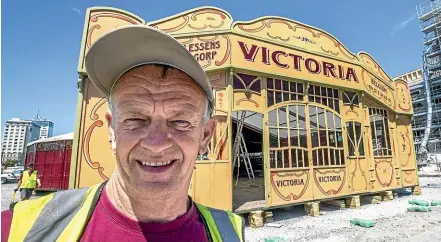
(317, 121)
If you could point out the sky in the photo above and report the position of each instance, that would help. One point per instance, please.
(40, 42)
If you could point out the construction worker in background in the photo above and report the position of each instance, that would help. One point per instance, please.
(161, 102)
(28, 182)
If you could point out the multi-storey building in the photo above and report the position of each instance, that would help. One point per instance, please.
(425, 84)
(18, 133)
(46, 126)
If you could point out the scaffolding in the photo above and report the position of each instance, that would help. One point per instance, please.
(426, 96)
(240, 151)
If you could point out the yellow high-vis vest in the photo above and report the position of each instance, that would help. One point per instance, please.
(35, 220)
(29, 181)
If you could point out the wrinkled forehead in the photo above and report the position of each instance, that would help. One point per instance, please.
(157, 82)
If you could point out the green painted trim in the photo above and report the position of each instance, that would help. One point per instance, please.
(77, 133)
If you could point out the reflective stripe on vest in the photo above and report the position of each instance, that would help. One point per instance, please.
(63, 216)
(43, 218)
(223, 226)
(29, 181)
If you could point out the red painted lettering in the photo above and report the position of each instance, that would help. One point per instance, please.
(296, 59)
(249, 55)
(309, 66)
(351, 75)
(275, 58)
(190, 48)
(341, 72)
(265, 54)
(329, 68)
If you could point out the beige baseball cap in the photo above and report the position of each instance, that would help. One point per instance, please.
(124, 48)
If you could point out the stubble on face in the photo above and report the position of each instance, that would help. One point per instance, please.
(158, 118)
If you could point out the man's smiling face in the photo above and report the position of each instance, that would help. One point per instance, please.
(158, 120)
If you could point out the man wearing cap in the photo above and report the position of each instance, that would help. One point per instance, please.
(160, 102)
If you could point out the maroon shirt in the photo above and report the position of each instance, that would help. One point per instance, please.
(109, 224)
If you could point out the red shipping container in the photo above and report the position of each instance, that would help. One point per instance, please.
(51, 158)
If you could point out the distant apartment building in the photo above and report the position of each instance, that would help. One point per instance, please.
(46, 126)
(18, 133)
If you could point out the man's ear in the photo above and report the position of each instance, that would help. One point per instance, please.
(208, 132)
(112, 140)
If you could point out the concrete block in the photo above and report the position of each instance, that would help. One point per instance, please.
(312, 209)
(268, 217)
(387, 196)
(353, 202)
(416, 190)
(255, 219)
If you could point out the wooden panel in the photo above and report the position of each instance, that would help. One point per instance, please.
(212, 51)
(274, 59)
(201, 19)
(405, 143)
(222, 186)
(378, 89)
(409, 178)
(242, 101)
(404, 100)
(358, 175)
(289, 32)
(95, 160)
(290, 186)
(383, 174)
(329, 182)
(203, 184)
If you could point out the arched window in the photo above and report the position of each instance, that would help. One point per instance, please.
(287, 137)
(326, 96)
(380, 132)
(281, 91)
(355, 139)
(326, 137)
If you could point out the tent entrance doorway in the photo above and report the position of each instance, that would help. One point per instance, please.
(248, 165)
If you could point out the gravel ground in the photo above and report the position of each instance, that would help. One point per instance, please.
(7, 190)
(393, 222)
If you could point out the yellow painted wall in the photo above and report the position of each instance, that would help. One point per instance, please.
(267, 47)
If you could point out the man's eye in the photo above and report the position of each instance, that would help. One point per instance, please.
(135, 120)
(181, 123)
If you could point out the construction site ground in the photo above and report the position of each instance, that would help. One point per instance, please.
(393, 221)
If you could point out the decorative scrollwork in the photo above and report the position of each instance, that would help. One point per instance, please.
(86, 140)
(291, 196)
(305, 39)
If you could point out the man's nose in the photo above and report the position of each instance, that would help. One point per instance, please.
(157, 138)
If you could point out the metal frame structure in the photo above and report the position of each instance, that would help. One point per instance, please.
(427, 95)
